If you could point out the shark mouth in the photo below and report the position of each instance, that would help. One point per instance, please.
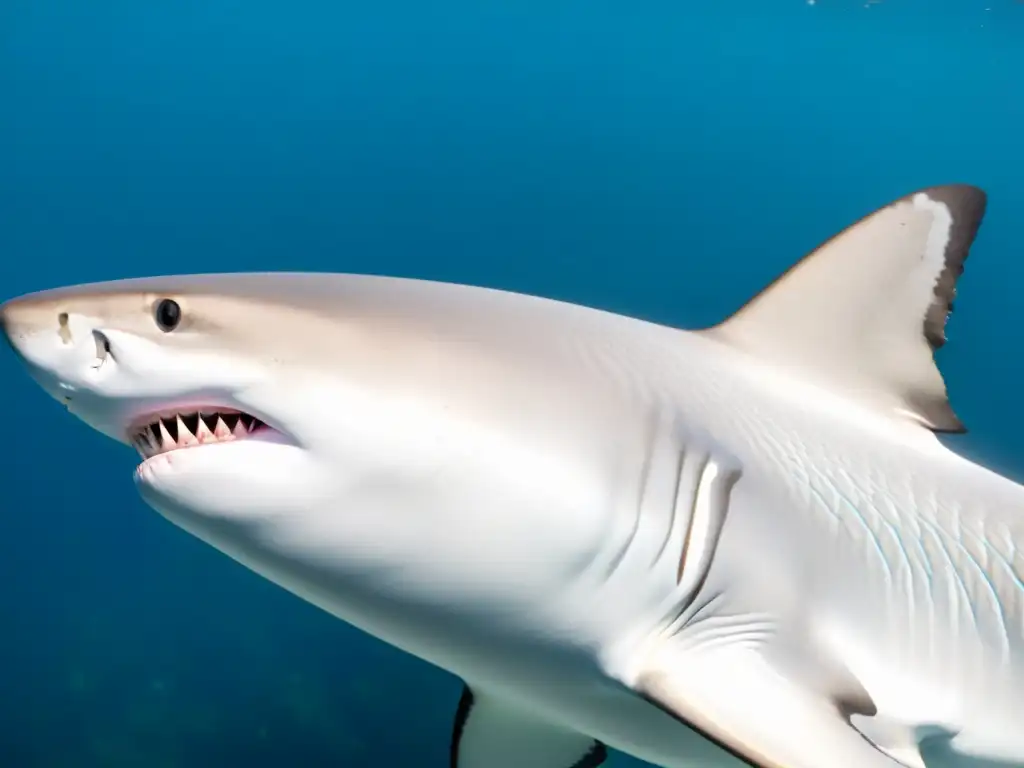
(190, 430)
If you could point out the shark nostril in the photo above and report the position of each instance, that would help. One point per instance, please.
(65, 329)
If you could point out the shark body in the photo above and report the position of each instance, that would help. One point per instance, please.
(743, 545)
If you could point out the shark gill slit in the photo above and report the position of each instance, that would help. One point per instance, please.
(709, 506)
(673, 520)
(684, 552)
(643, 495)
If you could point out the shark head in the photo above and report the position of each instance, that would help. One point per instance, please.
(327, 423)
(202, 377)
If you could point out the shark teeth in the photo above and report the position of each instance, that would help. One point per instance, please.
(185, 430)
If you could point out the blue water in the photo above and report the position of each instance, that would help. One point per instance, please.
(661, 159)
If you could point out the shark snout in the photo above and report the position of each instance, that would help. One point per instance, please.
(59, 348)
(21, 322)
(32, 316)
(9, 323)
(32, 326)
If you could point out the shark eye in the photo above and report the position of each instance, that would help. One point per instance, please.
(167, 315)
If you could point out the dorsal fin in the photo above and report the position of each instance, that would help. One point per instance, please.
(865, 312)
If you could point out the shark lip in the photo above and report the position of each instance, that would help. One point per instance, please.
(167, 431)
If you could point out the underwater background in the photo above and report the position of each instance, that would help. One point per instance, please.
(659, 159)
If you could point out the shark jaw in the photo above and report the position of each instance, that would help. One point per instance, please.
(188, 456)
(157, 434)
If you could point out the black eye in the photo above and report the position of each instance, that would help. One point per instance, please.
(168, 315)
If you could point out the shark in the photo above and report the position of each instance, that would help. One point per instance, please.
(738, 545)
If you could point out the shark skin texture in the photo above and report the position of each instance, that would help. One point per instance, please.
(738, 545)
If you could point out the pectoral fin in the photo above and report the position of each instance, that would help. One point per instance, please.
(737, 699)
(902, 741)
(490, 733)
